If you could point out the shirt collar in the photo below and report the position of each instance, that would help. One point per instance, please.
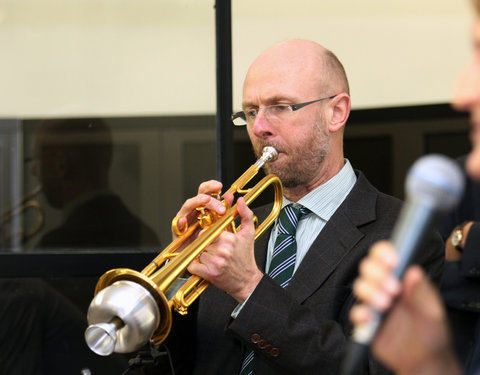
(325, 199)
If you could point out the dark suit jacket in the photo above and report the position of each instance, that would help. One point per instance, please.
(303, 328)
(461, 280)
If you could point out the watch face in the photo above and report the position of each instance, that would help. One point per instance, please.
(457, 238)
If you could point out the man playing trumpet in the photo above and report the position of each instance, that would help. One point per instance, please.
(280, 304)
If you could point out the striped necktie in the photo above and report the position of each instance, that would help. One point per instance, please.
(283, 260)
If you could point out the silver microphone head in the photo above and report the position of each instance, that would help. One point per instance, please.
(435, 181)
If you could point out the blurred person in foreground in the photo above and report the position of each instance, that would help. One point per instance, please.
(415, 336)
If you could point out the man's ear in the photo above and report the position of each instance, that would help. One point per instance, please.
(340, 106)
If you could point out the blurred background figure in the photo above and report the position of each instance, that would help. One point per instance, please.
(72, 160)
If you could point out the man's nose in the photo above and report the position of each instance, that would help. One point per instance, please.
(262, 126)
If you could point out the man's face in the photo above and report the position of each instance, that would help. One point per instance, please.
(301, 139)
(466, 97)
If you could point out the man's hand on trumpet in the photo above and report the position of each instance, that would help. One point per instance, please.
(229, 261)
(188, 213)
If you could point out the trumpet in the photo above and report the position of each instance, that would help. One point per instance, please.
(131, 308)
(26, 204)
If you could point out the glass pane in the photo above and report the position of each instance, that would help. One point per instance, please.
(149, 65)
(382, 44)
(100, 184)
(106, 126)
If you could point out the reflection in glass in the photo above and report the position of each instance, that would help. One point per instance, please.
(71, 160)
(115, 185)
(11, 227)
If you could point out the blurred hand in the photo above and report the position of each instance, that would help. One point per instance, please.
(414, 337)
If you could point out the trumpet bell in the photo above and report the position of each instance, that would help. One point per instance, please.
(122, 318)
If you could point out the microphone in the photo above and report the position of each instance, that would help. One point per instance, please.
(434, 185)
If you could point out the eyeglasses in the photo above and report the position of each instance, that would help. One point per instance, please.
(276, 112)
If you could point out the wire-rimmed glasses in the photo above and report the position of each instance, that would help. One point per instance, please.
(273, 112)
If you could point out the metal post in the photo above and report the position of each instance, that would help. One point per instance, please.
(223, 32)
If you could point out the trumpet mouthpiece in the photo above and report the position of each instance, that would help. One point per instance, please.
(269, 154)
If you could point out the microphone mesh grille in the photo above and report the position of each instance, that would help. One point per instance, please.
(436, 181)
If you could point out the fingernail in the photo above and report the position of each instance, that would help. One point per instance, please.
(389, 258)
(380, 301)
(392, 285)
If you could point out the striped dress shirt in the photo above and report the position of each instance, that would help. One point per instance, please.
(322, 202)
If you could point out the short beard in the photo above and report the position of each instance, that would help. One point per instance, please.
(304, 165)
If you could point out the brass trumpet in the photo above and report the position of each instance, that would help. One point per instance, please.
(130, 308)
(22, 208)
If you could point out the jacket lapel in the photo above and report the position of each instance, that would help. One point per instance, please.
(261, 243)
(337, 239)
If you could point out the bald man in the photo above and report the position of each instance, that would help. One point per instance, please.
(296, 99)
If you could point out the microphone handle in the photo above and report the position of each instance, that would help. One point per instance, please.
(416, 223)
(413, 225)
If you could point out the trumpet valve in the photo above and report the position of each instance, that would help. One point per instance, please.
(205, 217)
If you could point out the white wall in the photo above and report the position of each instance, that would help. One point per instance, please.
(395, 52)
(156, 57)
(106, 57)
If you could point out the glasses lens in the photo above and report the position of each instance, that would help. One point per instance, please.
(278, 112)
(238, 119)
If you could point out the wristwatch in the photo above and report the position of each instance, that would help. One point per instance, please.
(457, 237)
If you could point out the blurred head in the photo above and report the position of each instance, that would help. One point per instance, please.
(466, 94)
(73, 157)
(310, 139)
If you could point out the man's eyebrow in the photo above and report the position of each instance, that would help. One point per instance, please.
(247, 105)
